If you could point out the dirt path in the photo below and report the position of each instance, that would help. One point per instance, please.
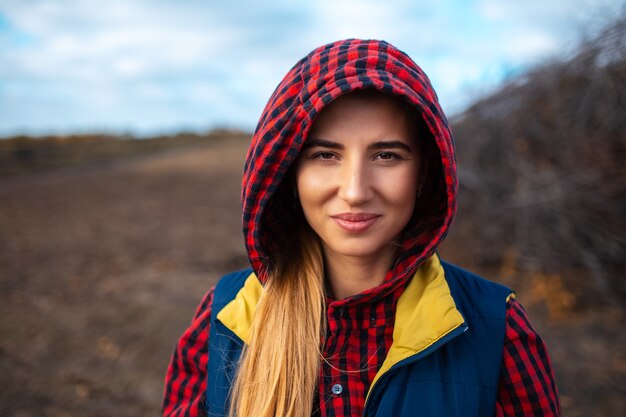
(101, 269)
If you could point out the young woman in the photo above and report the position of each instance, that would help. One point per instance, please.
(349, 186)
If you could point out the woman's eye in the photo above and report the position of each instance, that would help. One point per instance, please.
(325, 156)
(387, 156)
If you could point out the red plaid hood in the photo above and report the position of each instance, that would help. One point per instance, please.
(314, 82)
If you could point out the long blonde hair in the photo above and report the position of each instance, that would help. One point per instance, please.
(278, 370)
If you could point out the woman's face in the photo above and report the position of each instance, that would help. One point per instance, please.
(357, 175)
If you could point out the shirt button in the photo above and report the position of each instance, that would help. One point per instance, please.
(337, 389)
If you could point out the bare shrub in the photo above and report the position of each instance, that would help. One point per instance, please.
(542, 168)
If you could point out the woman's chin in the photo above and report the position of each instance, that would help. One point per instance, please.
(368, 251)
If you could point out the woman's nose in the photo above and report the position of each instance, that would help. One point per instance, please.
(355, 188)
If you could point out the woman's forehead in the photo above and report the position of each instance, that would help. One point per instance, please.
(371, 116)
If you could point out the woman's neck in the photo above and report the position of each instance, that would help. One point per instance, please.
(349, 275)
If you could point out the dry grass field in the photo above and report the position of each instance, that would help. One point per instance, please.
(102, 267)
(103, 264)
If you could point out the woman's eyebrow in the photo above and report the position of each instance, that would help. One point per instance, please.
(391, 144)
(322, 143)
(325, 143)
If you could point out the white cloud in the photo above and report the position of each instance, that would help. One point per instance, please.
(151, 64)
(332, 20)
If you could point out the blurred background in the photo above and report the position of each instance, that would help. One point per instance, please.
(124, 127)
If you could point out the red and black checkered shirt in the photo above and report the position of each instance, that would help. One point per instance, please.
(359, 336)
(360, 328)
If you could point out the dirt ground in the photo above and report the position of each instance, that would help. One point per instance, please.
(101, 268)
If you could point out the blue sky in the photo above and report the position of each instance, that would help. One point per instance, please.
(153, 66)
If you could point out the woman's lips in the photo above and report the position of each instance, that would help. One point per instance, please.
(355, 222)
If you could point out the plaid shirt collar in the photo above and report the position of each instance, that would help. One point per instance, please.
(424, 320)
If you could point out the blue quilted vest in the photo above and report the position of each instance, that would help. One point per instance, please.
(452, 371)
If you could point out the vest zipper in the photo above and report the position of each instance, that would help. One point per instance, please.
(416, 357)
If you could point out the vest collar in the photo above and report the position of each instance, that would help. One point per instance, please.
(237, 315)
(425, 313)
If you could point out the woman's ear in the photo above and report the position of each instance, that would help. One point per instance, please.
(423, 169)
(423, 137)
(291, 184)
(425, 155)
(419, 191)
(291, 180)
